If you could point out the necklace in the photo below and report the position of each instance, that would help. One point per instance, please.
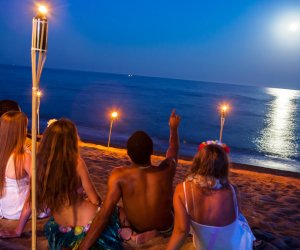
(148, 166)
(208, 182)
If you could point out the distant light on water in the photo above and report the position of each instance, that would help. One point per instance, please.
(278, 138)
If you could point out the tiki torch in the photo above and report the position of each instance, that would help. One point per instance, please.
(113, 116)
(224, 108)
(38, 57)
(39, 95)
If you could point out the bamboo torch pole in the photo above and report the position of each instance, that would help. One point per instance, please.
(38, 57)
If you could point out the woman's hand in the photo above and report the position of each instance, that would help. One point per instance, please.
(9, 233)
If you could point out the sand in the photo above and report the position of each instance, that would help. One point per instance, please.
(270, 201)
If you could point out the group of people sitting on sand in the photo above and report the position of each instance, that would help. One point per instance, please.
(205, 204)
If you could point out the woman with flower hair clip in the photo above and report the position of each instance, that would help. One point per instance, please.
(206, 202)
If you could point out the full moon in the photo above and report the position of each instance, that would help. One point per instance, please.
(293, 27)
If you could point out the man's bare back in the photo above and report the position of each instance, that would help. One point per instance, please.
(146, 190)
(147, 195)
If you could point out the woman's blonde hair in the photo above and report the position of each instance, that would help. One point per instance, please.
(211, 162)
(57, 158)
(13, 129)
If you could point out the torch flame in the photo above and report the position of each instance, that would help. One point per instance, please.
(224, 108)
(43, 9)
(114, 114)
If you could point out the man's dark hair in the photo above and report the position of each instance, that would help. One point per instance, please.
(140, 147)
(8, 105)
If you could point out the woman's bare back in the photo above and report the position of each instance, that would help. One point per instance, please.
(210, 207)
(80, 214)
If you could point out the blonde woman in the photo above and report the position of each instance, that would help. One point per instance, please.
(206, 202)
(15, 162)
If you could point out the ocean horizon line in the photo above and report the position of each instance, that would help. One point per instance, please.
(131, 74)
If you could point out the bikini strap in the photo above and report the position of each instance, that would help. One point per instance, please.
(193, 197)
(184, 190)
(236, 207)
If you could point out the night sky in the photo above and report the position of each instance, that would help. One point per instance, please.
(252, 42)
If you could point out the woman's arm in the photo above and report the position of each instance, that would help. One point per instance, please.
(25, 214)
(182, 221)
(27, 163)
(87, 183)
(103, 216)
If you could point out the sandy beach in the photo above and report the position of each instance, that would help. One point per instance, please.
(269, 200)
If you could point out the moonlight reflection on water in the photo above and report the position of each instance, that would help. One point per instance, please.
(278, 138)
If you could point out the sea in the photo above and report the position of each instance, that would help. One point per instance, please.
(262, 125)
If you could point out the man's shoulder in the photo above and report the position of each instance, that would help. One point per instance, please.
(121, 171)
(168, 163)
(118, 170)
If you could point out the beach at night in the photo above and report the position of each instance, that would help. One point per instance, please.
(269, 201)
(136, 125)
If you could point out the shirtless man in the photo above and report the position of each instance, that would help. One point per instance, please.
(146, 190)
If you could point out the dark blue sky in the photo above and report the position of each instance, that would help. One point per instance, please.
(244, 42)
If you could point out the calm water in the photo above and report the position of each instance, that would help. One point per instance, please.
(262, 127)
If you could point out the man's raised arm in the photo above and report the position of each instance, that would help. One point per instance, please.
(173, 149)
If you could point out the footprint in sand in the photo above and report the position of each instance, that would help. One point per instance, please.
(274, 195)
(291, 200)
(267, 198)
(287, 212)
